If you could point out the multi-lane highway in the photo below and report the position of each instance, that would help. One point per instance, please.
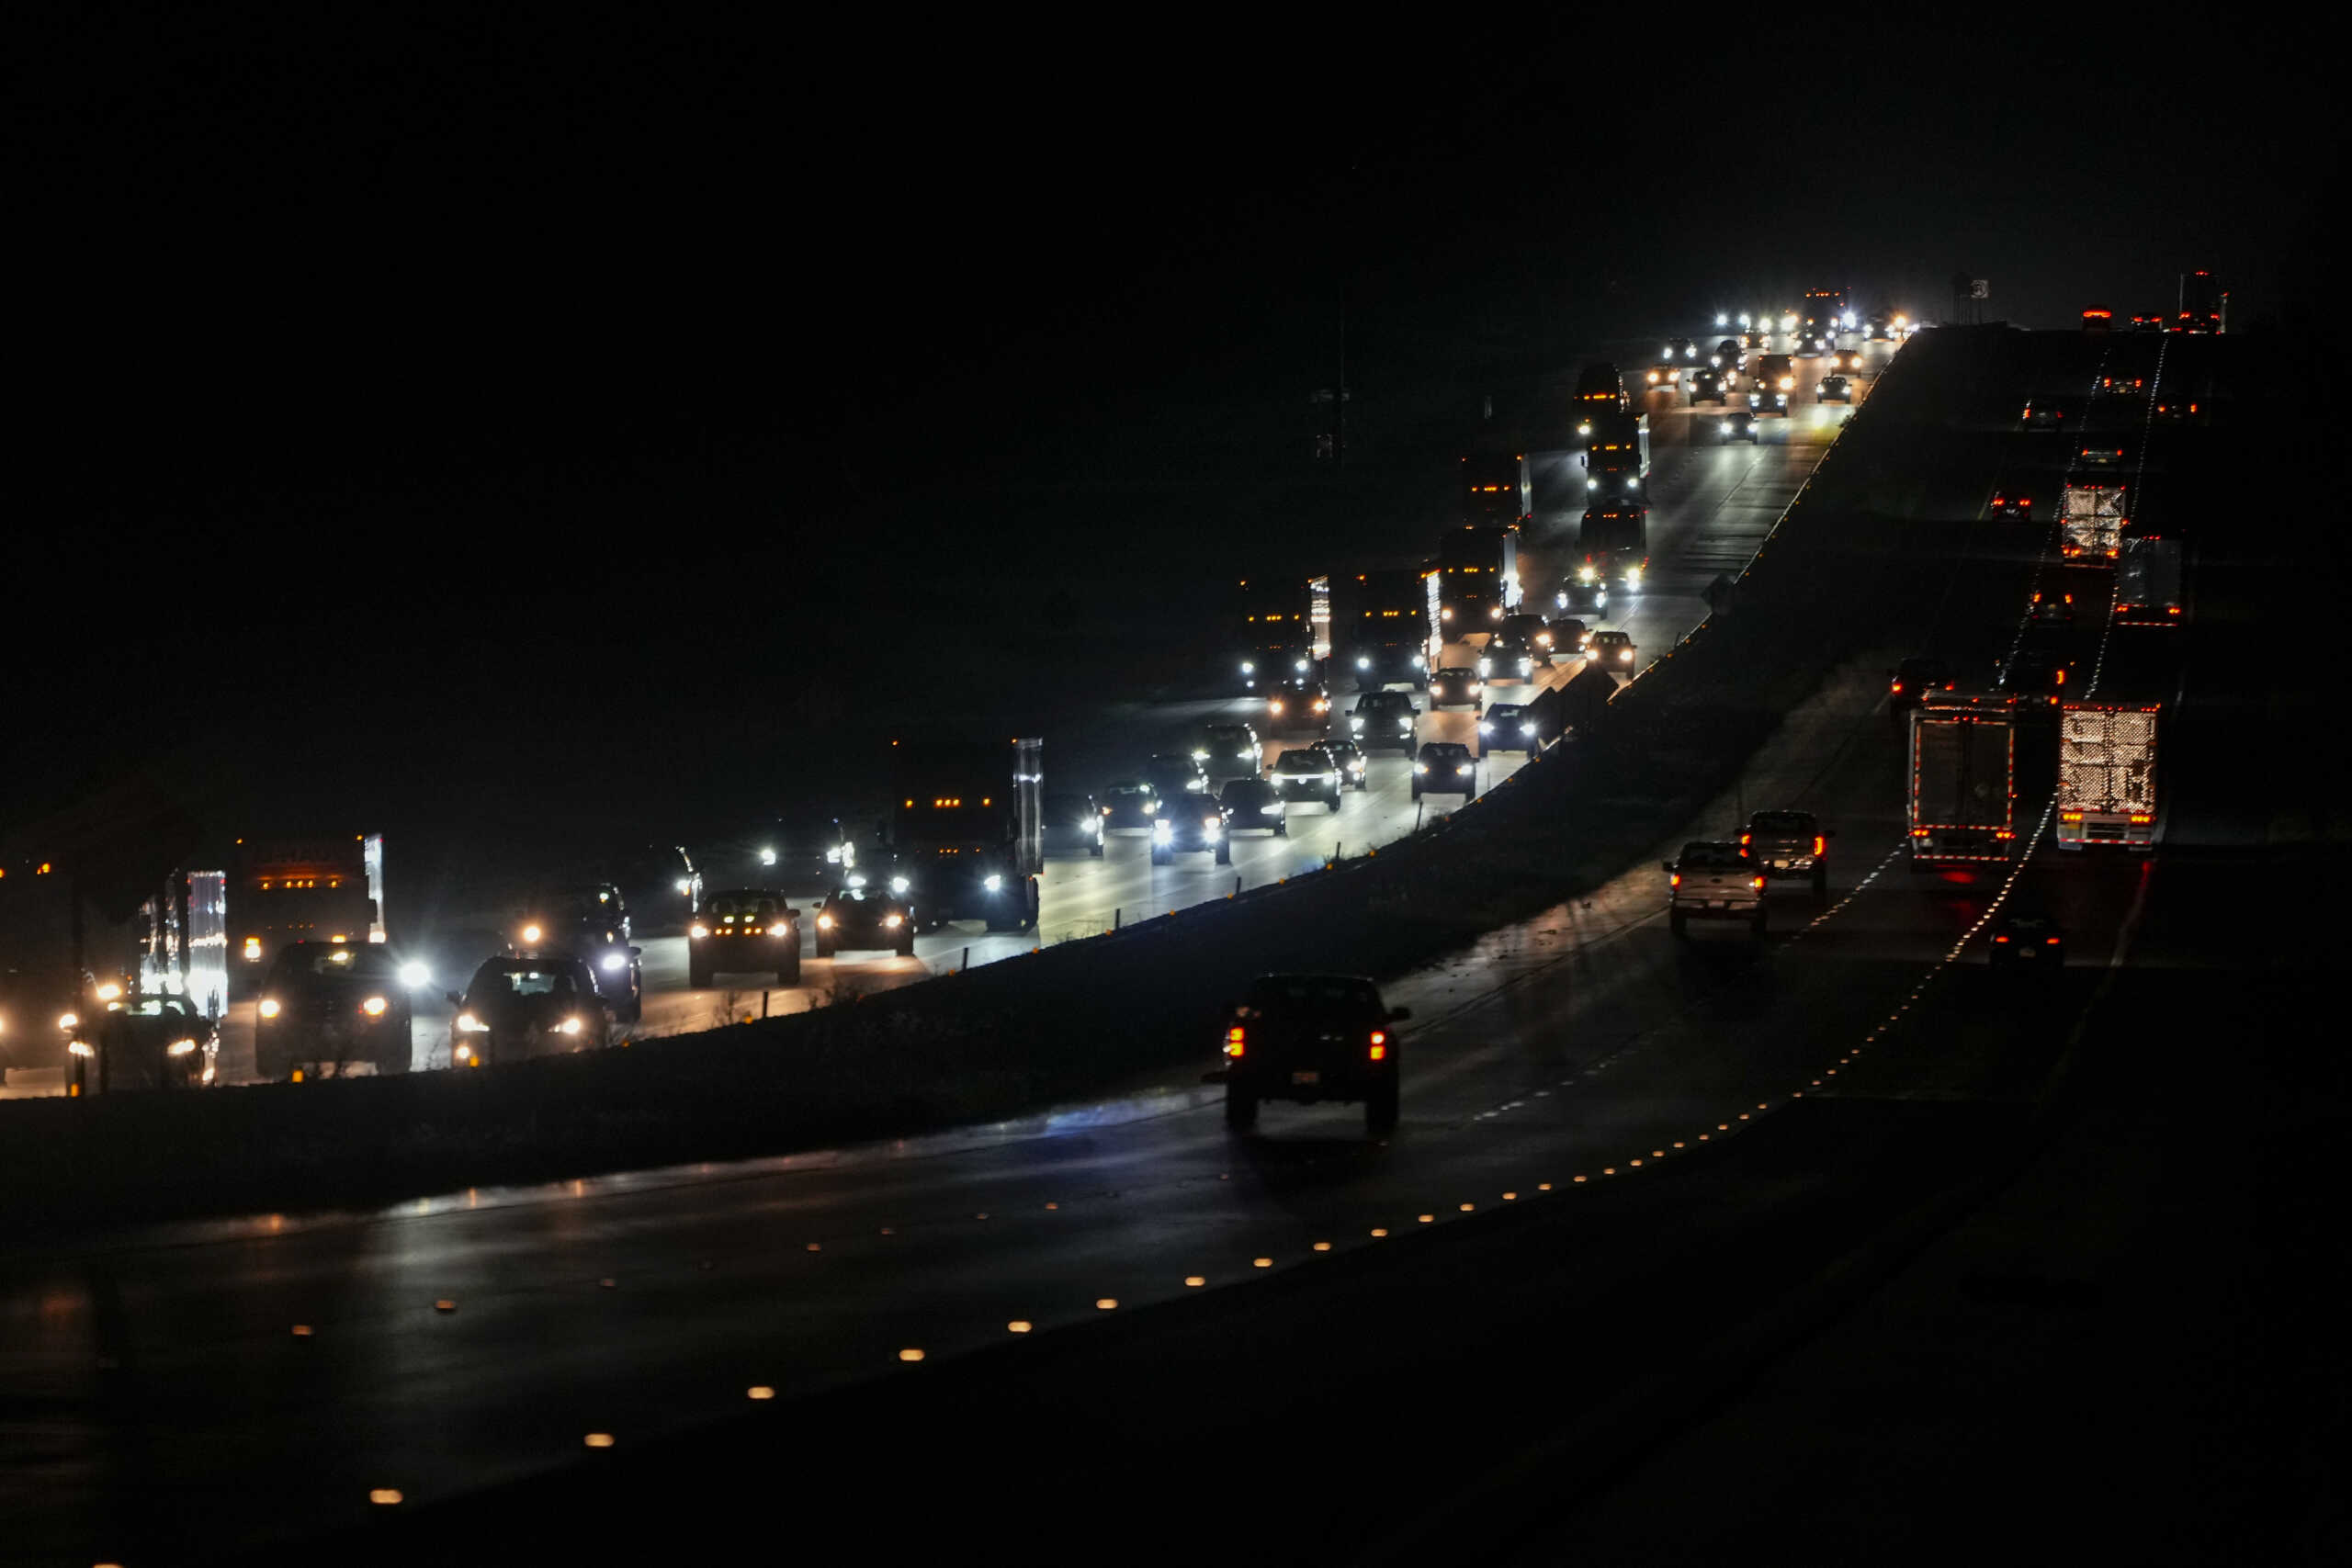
(1712, 503)
(256, 1379)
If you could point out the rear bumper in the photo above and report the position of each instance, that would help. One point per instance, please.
(1281, 1083)
(1723, 909)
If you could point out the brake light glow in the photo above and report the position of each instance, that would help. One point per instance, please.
(2050, 942)
(1379, 1045)
(1233, 1041)
(1820, 843)
(1756, 883)
(1674, 879)
(2000, 939)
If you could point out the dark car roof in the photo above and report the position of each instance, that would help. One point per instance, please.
(1781, 822)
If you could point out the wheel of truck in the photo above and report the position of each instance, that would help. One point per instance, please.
(1416, 792)
(1159, 857)
(906, 948)
(1224, 854)
(1240, 1109)
(1035, 897)
(1282, 829)
(699, 975)
(1821, 881)
(1095, 849)
(1332, 804)
(1755, 928)
(788, 972)
(1677, 924)
(824, 945)
(1380, 1109)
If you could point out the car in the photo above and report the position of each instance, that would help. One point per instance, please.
(1254, 806)
(588, 923)
(1508, 656)
(810, 849)
(145, 1040)
(326, 1006)
(2100, 454)
(1508, 726)
(1808, 346)
(1445, 767)
(1569, 636)
(1711, 881)
(1457, 687)
(1681, 351)
(2042, 414)
(519, 1008)
(1349, 758)
(1707, 387)
(1662, 377)
(2010, 508)
(1877, 333)
(2022, 939)
(1789, 843)
(744, 931)
(1846, 359)
(1304, 703)
(1383, 718)
(1071, 824)
(2173, 410)
(1173, 773)
(2035, 677)
(1129, 805)
(2123, 386)
(1729, 355)
(1767, 400)
(866, 917)
(1580, 593)
(1832, 390)
(1914, 677)
(1613, 651)
(1306, 773)
(1739, 425)
(2051, 608)
(1534, 630)
(1191, 824)
(1308, 1038)
(1234, 753)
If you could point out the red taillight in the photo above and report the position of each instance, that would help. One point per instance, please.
(1756, 883)
(1820, 843)
(1233, 1041)
(2050, 942)
(1743, 840)
(1897, 688)
(2000, 939)
(2062, 677)
(1675, 880)
(1379, 1046)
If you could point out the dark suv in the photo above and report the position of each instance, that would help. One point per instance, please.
(1309, 1038)
(1789, 843)
(1191, 824)
(1383, 718)
(1445, 767)
(327, 1005)
(743, 930)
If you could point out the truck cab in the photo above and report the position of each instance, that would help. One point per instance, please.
(966, 828)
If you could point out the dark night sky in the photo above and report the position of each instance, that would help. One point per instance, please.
(492, 368)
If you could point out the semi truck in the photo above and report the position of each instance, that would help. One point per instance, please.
(1496, 488)
(2204, 304)
(1614, 546)
(1278, 624)
(1825, 312)
(966, 829)
(2091, 519)
(1599, 390)
(2147, 583)
(1964, 777)
(1478, 568)
(2106, 774)
(1384, 626)
(329, 888)
(1617, 458)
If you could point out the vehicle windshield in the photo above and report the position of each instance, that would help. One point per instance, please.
(1307, 760)
(338, 961)
(1138, 790)
(157, 1007)
(1456, 673)
(523, 979)
(1230, 736)
(749, 904)
(1779, 822)
(1710, 855)
(1503, 712)
(1312, 995)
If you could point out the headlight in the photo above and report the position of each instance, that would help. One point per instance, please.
(1355, 722)
(109, 991)
(1212, 826)
(1588, 574)
(697, 930)
(1633, 577)
(1275, 707)
(994, 884)
(1274, 810)
(531, 935)
(180, 1048)
(1485, 729)
(268, 1008)
(80, 1048)
(1527, 730)
(1483, 666)
(469, 1024)
(1242, 755)
(1405, 726)
(1163, 829)
(824, 923)
(569, 1026)
(1421, 767)
(767, 857)
(892, 922)
(463, 1053)
(1625, 656)
(1248, 668)
(898, 884)
(1200, 756)
(252, 950)
(779, 929)
(1463, 768)
(415, 975)
(614, 962)
(373, 1007)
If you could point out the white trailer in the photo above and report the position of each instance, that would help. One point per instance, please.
(2092, 519)
(2106, 774)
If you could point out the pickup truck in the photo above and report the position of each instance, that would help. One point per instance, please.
(1714, 881)
(1311, 1037)
(1789, 844)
